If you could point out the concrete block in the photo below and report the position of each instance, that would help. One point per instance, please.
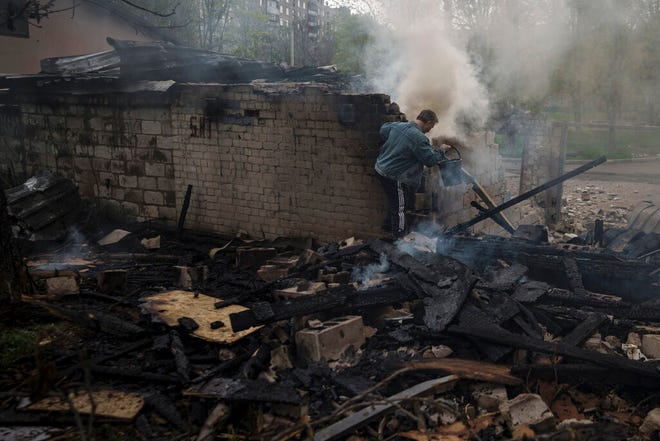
(111, 280)
(651, 345)
(268, 273)
(151, 243)
(489, 397)
(332, 339)
(151, 127)
(62, 286)
(529, 410)
(651, 423)
(302, 289)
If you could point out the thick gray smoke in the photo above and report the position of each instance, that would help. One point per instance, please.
(420, 63)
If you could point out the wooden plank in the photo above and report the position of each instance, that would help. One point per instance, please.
(359, 418)
(107, 403)
(171, 305)
(500, 218)
(584, 330)
(507, 338)
(469, 369)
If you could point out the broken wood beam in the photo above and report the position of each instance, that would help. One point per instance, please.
(490, 213)
(584, 330)
(341, 299)
(507, 338)
(469, 369)
(359, 418)
(583, 374)
(500, 218)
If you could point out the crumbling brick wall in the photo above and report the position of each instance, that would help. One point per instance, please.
(287, 160)
(543, 158)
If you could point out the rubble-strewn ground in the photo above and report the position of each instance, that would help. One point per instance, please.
(513, 348)
(585, 200)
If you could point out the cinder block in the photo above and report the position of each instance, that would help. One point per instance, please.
(332, 339)
(530, 410)
(268, 273)
(62, 286)
(111, 280)
(303, 289)
(651, 345)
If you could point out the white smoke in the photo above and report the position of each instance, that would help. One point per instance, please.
(420, 63)
(370, 275)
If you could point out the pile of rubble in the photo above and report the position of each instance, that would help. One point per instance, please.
(207, 337)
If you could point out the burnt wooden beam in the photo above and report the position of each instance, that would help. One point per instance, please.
(343, 298)
(352, 422)
(180, 359)
(584, 330)
(444, 281)
(574, 276)
(507, 338)
(134, 374)
(492, 212)
(500, 218)
(632, 280)
(464, 368)
(583, 374)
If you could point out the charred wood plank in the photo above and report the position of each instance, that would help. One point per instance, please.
(584, 330)
(135, 374)
(470, 369)
(349, 424)
(632, 280)
(166, 408)
(180, 359)
(343, 298)
(504, 279)
(583, 374)
(574, 276)
(507, 338)
(445, 282)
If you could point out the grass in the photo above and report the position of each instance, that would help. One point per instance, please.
(590, 143)
(17, 344)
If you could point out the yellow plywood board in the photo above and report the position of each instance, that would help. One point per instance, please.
(170, 306)
(108, 404)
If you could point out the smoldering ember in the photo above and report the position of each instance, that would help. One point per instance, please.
(195, 248)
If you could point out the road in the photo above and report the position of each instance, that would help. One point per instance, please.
(636, 170)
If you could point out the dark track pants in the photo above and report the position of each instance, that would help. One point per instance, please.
(400, 198)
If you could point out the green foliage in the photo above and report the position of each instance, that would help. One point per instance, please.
(16, 344)
(353, 37)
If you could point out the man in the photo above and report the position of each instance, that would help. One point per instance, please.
(400, 164)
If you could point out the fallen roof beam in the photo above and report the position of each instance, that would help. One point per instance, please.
(490, 213)
(507, 338)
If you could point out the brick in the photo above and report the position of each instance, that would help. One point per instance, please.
(154, 169)
(127, 181)
(331, 340)
(153, 198)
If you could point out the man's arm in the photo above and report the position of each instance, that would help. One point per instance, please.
(385, 130)
(425, 154)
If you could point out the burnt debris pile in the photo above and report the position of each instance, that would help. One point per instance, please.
(147, 332)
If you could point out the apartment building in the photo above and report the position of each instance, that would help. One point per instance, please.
(307, 16)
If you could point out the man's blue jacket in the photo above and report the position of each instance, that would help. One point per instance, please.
(405, 152)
